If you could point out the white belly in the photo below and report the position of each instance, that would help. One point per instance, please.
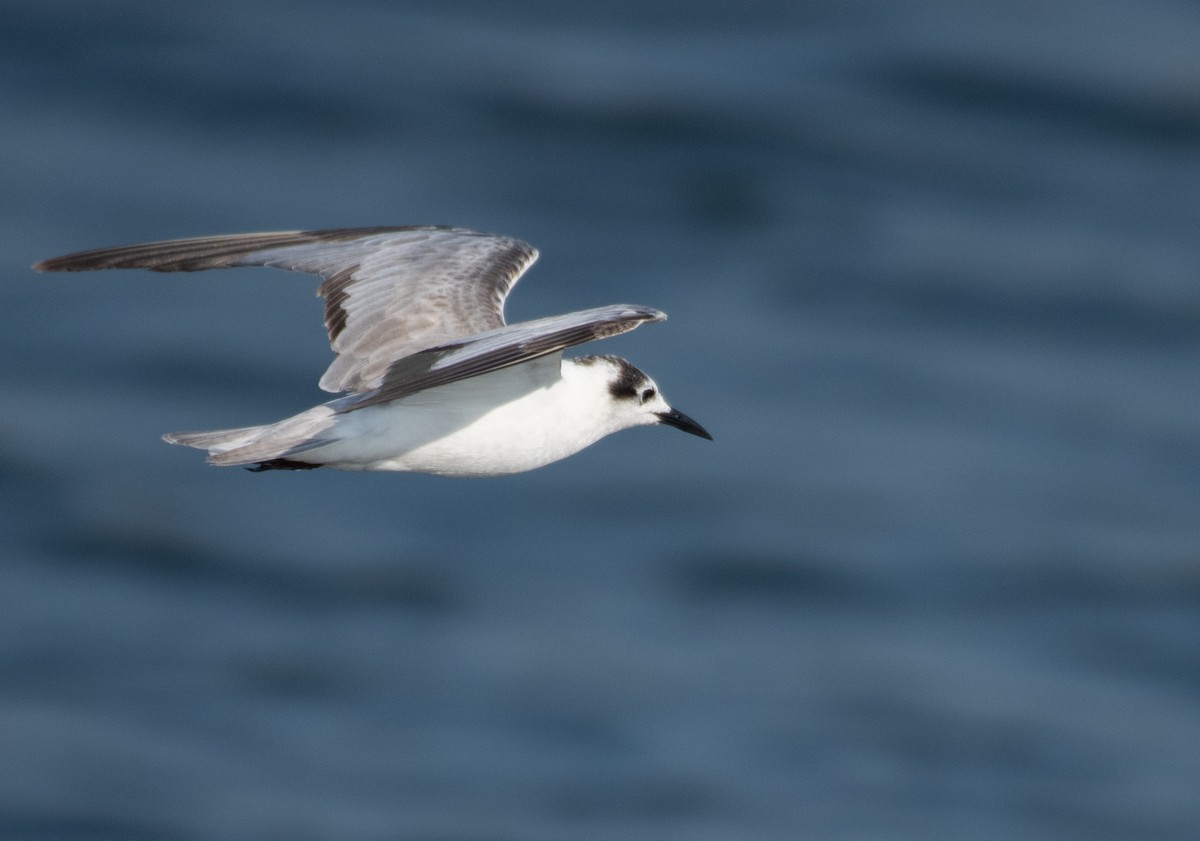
(506, 422)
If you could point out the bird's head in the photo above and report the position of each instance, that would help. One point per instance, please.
(634, 399)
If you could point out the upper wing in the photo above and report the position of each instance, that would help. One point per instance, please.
(389, 292)
(500, 348)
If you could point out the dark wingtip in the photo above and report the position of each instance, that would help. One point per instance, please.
(67, 263)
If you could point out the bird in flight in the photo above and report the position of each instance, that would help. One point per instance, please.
(434, 380)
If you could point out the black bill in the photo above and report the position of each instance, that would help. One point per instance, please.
(679, 420)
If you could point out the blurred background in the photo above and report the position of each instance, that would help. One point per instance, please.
(932, 271)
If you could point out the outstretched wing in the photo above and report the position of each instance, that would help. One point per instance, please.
(500, 348)
(389, 292)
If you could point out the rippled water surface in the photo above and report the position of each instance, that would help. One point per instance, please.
(934, 282)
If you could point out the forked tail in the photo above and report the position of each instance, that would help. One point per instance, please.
(275, 446)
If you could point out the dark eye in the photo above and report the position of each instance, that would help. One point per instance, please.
(648, 394)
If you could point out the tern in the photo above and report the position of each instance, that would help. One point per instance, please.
(434, 380)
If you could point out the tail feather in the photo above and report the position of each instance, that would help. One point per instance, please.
(212, 438)
(251, 445)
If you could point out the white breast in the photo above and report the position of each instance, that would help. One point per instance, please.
(508, 421)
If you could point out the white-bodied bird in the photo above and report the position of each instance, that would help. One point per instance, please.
(435, 380)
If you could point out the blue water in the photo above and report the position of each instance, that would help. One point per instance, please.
(933, 274)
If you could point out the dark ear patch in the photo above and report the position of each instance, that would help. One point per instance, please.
(627, 384)
(629, 381)
(622, 392)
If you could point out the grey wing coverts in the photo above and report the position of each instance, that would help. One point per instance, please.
(406, 308)
(389, 292)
